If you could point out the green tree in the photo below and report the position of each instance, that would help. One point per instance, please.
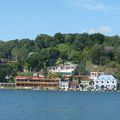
(97, 38)
(59, 37)
(95, 54)
(45, 72)
(116, 52)
(6, 73)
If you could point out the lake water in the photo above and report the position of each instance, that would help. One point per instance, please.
(54, 105)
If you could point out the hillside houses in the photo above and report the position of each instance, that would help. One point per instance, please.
(67, 81)
(64, 69)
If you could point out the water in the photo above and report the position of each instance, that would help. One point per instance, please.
(54, 105)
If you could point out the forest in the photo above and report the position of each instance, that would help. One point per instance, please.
(92, 52)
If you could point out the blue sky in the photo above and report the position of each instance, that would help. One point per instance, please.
(27, 18)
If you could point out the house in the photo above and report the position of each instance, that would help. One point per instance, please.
(95, 74)
(79, 82)
(105, 82)
(64, 85)
(73, 85)
(64, 69)
(27, 82)
(85, 85)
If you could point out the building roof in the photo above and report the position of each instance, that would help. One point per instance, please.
(64, 81)
(33, 78)
(73, 83)
(106, 77)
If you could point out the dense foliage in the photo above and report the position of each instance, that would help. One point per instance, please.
(46, 50)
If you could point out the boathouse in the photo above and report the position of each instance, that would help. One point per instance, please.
(26, 82)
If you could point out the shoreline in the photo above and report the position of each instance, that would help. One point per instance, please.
(29, 89)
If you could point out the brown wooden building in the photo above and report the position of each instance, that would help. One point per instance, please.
(26, 82)
(7, 85)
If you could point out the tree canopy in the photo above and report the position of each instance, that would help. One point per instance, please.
(46, 50)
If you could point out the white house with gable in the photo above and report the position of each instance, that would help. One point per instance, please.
(64, 85)
(105, 82)
(94, 75)
(66, 69)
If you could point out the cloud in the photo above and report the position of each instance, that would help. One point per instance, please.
(92, 5)
(92, 30)
(88, 4)
(103, 29)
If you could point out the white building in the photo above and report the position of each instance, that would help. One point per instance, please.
(94, 75)
(105, 82)
(64, 85)
(63, 69)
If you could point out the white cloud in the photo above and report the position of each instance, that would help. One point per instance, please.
(103, 29)
(92, 5)
(91, 30)
(89, 4)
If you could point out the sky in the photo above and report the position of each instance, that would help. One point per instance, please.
(28, 18)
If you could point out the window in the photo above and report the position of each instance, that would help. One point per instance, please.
(107, 81)
(96, 81)
(92, 73)
(97, 86)
(102, 87)
(102, 82)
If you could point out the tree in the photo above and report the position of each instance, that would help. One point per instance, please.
(64, 50)
(20, 53)
(53, 55)
(75, 56)
(45, 71)
(15, 53)
(59, 61)
(68, 38)
(6, 72)
(51, 50)
(95, 54)
(97, 38)
(81, 68)
(34, 62)
(80, 42)
(116, 53)
(59, 37)
(39, 42)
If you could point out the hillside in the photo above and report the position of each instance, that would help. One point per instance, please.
(92, 52)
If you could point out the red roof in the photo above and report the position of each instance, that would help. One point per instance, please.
(22, 77)
(30, 77)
